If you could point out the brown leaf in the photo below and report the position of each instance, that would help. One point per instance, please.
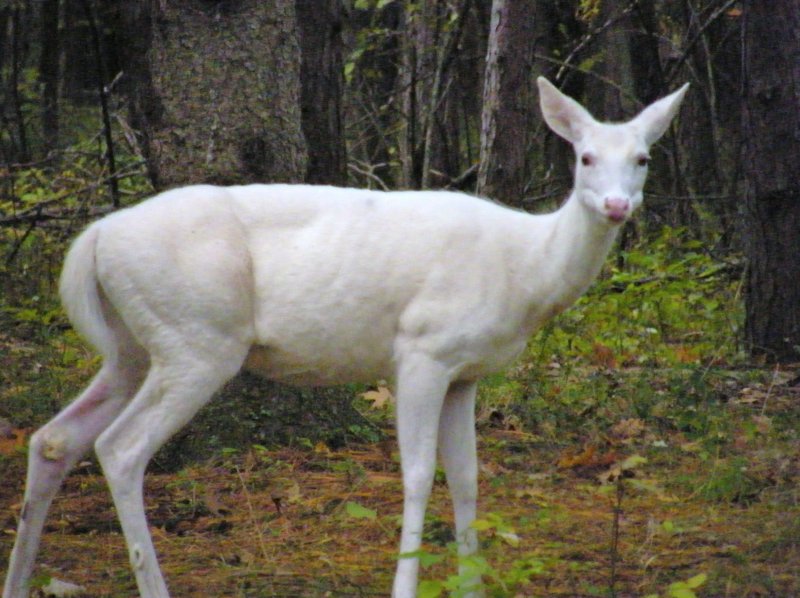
(13, 440)
(569, 460)
(628, 429)
(588, 458)
(603, 356)
(763, 423)
(380, 397)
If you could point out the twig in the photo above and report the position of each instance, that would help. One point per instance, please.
(103, 93)
(368, 172)
(253, 519)
(697, 37)
(13, 254)
(614, 549)
(589, 37)
(37, 213)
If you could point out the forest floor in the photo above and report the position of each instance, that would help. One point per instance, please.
(557, 519)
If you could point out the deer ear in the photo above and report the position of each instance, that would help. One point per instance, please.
(563, 115)
(654, 120)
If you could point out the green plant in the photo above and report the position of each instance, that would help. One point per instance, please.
(683, 589)
(731, 480)
(496, 581)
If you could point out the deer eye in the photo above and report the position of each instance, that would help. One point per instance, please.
(587, 159)
(643, 160)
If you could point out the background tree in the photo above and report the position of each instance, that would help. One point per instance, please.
(429, 141)
(321, 77)
(214, 90)
(509, 101)
(49, 70)
(215, 94)
(772, 188)
(231, 92)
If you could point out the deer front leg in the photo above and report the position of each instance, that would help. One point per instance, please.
(459, 457)
(421, 386)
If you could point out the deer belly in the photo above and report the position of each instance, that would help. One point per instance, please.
(318, 368)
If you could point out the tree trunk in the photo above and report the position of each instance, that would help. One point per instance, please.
(21, 151)
(321, 76)
(611, 92)
(214, 90)
(79, 77)
(699, 137)
(771, 132)
(648, 76)
(508, 101)
(49, 71)
(372, 87)
(421, 39)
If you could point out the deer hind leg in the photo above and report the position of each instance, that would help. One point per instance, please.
(172, 393)
(54, 450)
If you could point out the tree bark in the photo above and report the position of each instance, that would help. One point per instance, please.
(699, 139)
(509, 102)
(21, 151)
(320, 23)
(611, 92)
(372, 93)
(214, 90)
(420, 41)
(49, 71)
(215, 93)
(771, 133)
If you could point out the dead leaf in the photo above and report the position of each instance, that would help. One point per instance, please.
(535, 495)
(691, 447)
(589, 458)
(380, 397)
(750, 396)
(13, 440)
(686, 354)
(322, 448)
(570, 461)
(603, 356)
(627, 430)
(624, 468)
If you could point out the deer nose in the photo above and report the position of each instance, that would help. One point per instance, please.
(617, 208)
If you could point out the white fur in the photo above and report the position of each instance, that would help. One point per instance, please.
(323, 285)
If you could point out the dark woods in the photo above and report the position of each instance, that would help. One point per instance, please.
(146, 94)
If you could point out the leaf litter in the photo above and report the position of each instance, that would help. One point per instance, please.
(324, 522)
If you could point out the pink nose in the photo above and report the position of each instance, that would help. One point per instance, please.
(617, 208)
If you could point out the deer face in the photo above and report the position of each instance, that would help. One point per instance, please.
(611, 159)
(610, 170)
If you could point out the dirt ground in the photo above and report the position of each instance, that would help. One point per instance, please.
(283, 523)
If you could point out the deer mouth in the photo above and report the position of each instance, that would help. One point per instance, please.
(617, 217)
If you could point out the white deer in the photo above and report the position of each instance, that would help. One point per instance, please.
(321, 285)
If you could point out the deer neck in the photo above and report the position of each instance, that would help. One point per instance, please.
(576, 249)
